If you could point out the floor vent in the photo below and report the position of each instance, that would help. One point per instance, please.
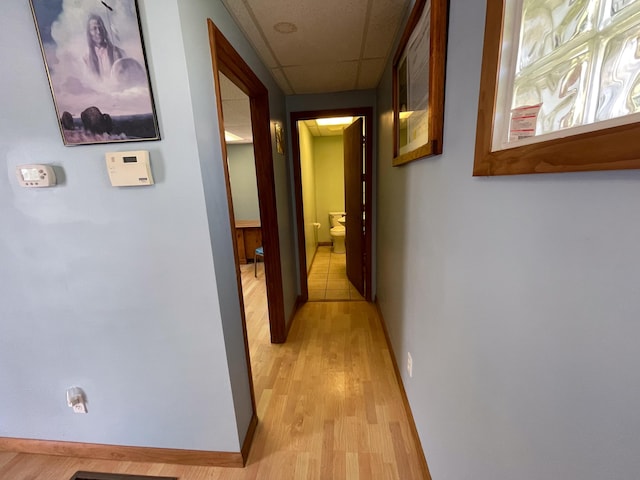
(114, 476)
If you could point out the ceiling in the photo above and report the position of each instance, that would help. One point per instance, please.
(321, 46)
(313, 46)
(236, 112)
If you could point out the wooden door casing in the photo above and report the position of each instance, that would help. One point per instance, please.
(353, 201)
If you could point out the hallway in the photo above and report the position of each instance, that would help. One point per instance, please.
(328, 403)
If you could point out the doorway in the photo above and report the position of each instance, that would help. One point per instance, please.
(228, 62)
(318, 253)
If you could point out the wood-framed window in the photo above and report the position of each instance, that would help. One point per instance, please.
(560, 87)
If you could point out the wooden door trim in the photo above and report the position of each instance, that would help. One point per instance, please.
(352, 138)
(367, 114)
(231, 64)
(130, 454)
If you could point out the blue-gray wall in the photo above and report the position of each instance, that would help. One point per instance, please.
(242, 177)
(518, 298)
(128, 292)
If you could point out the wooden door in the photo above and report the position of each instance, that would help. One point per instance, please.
(354, 203)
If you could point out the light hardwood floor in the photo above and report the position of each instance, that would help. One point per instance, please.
(329, 405)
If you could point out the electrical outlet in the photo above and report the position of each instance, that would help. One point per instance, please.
(77, 400)
(409, 364)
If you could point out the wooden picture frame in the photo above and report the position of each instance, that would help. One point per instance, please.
(589, 147)
(95, 62)
(418, 83)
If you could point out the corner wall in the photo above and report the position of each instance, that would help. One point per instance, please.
(516, 296)
(111, 289)
(126, 292)
(242, 177)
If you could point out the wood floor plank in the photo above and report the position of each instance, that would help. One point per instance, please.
(328, 401)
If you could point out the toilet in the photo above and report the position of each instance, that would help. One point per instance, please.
(336, 220)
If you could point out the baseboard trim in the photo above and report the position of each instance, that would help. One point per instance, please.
(412, 424)
(126, 454)
(325, 244)
(248, 439)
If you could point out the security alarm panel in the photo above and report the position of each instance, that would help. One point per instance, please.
(129, 169)
(36, 175)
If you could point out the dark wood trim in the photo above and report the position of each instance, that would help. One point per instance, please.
(214, 44)
(229, 62)
(297, 188)
(248, 439)
(412, 21)
(405, 400)
(81, 475)
(368, 200)
(367, 113)
(122, 453)
(437, 71)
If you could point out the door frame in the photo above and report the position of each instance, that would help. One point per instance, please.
(367, 114)
(225, 59)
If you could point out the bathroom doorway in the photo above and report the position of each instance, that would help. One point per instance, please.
(331, 180)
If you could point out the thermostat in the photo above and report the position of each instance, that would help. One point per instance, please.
(129, 169)
(36, 175)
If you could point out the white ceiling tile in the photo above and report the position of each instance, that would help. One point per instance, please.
(313, 127)
(370, 73)
(328, 30)
(229, 89)
(243, 18)
(325, 130)
(321, 78)
(236, 110)
(321, 56)
(384, 24)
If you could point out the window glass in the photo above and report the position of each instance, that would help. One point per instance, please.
(578, 60)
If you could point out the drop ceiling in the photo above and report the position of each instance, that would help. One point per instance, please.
(321, 46)
(236, 113)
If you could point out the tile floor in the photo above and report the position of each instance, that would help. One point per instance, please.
(328, 277)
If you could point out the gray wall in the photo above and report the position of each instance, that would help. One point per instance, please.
(127, 292)
(516, 296)
(244, 187)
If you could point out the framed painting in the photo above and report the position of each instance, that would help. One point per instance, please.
(94, 58)
(418, 83)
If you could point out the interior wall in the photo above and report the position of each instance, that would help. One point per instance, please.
(242, 176)
(111, 289)
(193, 15)
(131, 302)
(329, 173)
(517, 297)
(308, 179)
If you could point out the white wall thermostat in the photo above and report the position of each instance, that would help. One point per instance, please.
(129, 169)
(36, 175)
